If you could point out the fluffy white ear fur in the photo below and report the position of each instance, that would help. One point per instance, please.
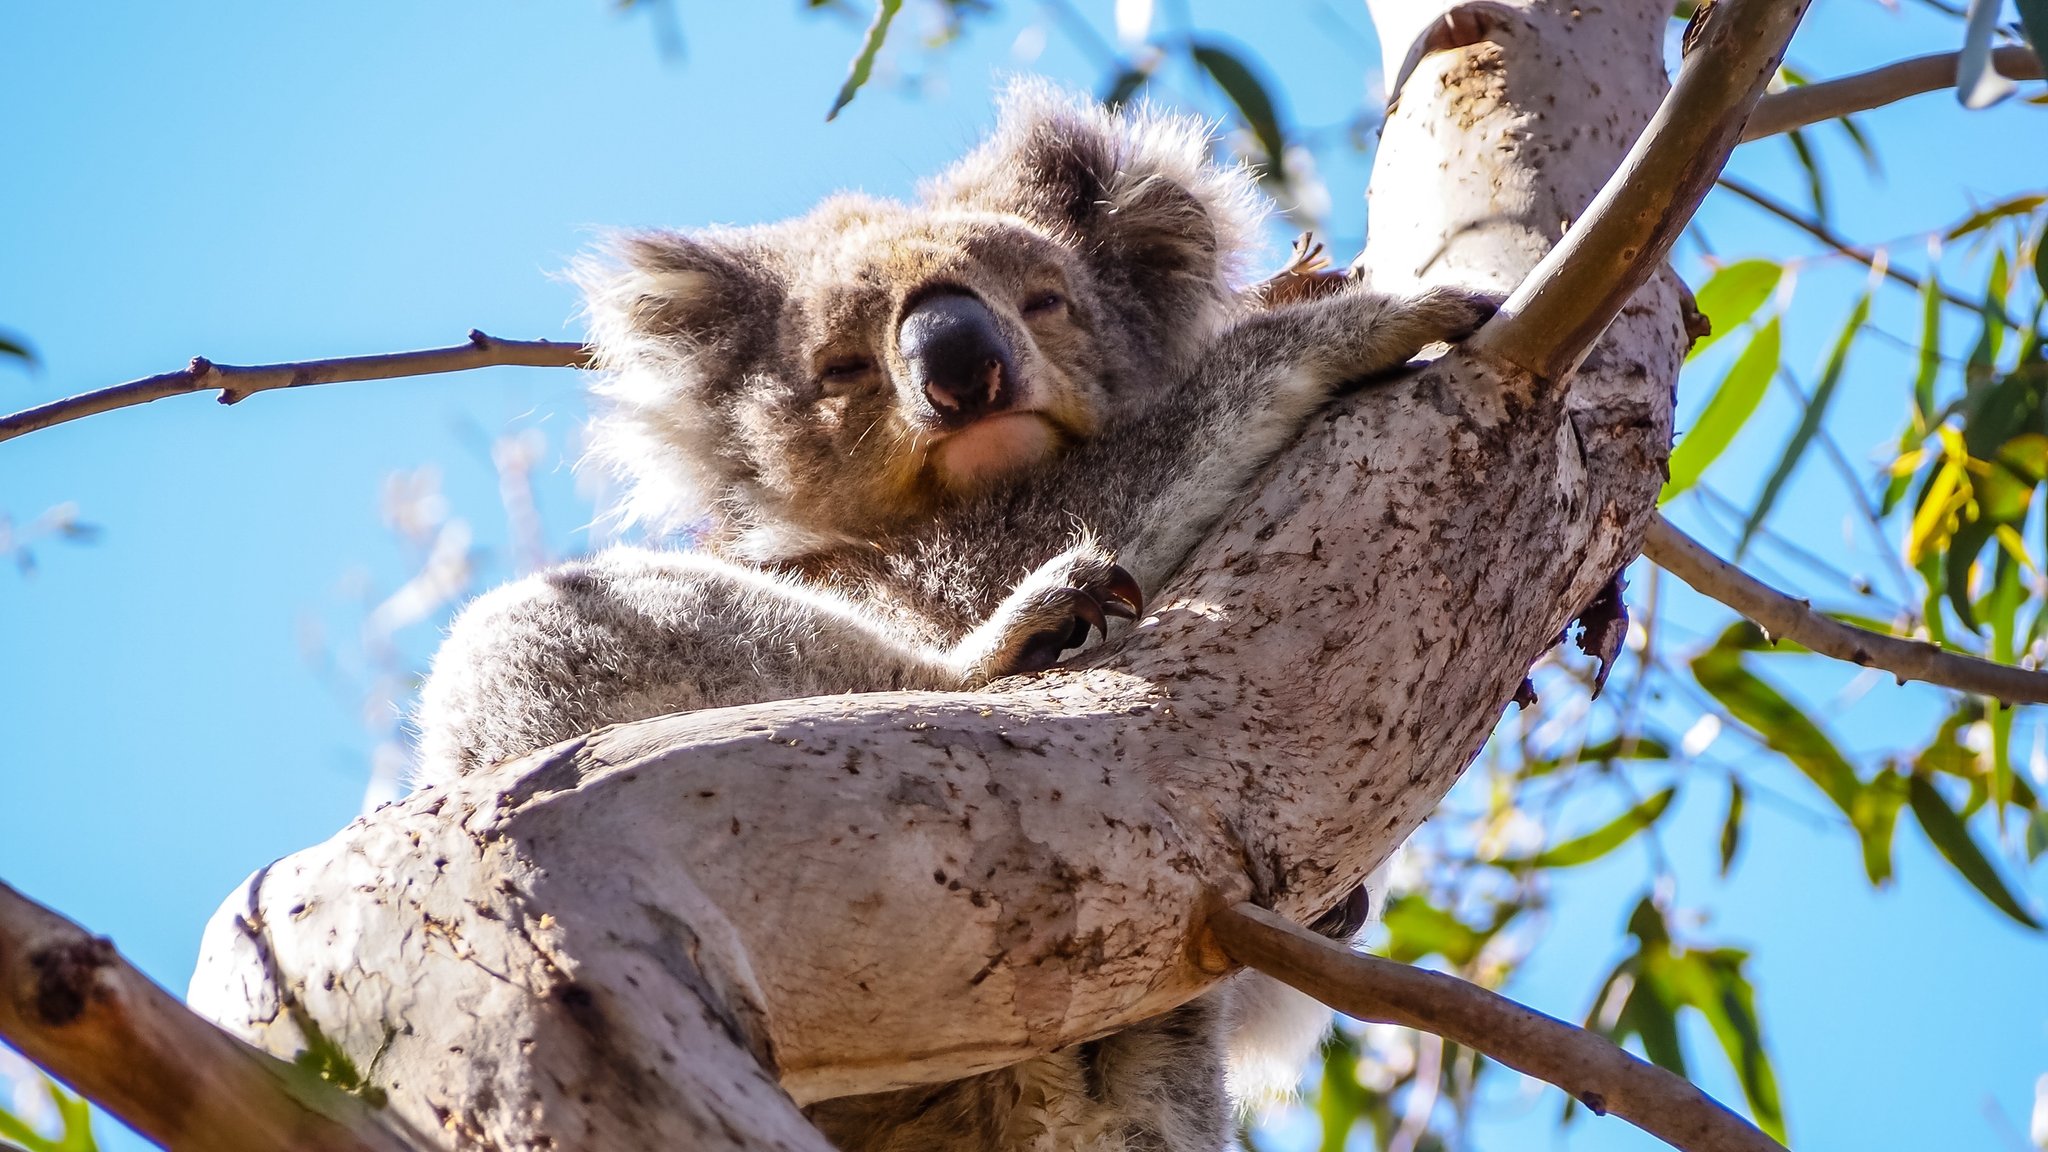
(1274, 1031)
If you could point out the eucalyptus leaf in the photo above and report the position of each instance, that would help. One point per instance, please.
(1809, 422)
(1248, 94)
(864, 62)
(1734, 401)
(1784, 726)
(1732, 295)
(1951, 837)
(1604, 839)
(1984, 218)
(1731, 826)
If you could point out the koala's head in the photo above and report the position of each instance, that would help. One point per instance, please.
(827, 378)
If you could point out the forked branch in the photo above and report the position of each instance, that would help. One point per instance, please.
(1595, 1071)
(1786, 618)
(1564, 305)
(235, 381)
(1806, 104)
(71, 1004)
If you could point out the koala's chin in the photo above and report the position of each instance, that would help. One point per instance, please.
(993, 447)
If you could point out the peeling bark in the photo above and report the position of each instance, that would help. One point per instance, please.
(652, 933)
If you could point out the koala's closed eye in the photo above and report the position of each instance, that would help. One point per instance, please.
(844, 371)
(1043, 303)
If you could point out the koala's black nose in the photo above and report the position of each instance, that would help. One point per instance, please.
(959, 360)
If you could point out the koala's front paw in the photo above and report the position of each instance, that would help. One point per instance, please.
(1061, 618)
(1450, 313)
(1053, 610)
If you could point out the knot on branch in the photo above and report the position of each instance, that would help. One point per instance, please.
(67, 978)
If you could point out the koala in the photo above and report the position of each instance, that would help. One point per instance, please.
(928, 445)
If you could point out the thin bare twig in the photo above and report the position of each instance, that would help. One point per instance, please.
(71, 1004)
(1806, 104)
(234, 381)
(1592, 1068)
(1786, 618)
(1564, 305)
(1864, 256)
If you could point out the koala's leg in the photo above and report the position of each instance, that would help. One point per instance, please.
(630, 634)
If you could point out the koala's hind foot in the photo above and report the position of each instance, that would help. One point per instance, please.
(1051, 611)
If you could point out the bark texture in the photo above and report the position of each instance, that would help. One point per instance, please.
(666, 933)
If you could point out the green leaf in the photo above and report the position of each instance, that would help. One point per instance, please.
(1809, 424)
(1602, 752)
(1784, 727)
(2017, 206)
(1732, 404)
(1952, 839)
(16, 348)
(1983, 359)
(1342, 1098)
(1731, 827)
(1417, 929)
(1732, 295)
(1923, 382)
(1816, 184)
(1652, 1013)
(2034, 19)
(1248, 94)
(864, 62)
(1963, 548)
(1602, 840)
(1875, 816)
(1124, 86)
(2037, 835)
(2041, 257)
(1714, 983)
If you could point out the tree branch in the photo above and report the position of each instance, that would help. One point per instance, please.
(1786, 618)
(1552, 320)
(72, 1005)
(1864, 256)
(1806, 104)
(1590, 1067)
(234, 381)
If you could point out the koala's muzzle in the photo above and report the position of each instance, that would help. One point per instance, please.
(960, 362)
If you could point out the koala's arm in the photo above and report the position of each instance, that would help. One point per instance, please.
(1254, 389)
(631, 633)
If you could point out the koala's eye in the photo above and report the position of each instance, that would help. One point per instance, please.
(845, 370)
(1042, 303)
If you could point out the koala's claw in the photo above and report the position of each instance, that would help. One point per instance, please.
(1114, 593)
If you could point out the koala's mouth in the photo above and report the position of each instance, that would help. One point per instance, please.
(994, 446)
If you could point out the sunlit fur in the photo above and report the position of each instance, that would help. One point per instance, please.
(754, 392)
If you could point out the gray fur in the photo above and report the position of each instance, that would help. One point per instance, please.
(756, 392)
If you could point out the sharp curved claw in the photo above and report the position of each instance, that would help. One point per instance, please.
(1088, 611)
(1121, 597)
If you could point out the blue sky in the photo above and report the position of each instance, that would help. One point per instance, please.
(258, 182)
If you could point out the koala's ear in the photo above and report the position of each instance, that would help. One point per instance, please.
(672, 294)
(1136, 186)
(677, 321)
